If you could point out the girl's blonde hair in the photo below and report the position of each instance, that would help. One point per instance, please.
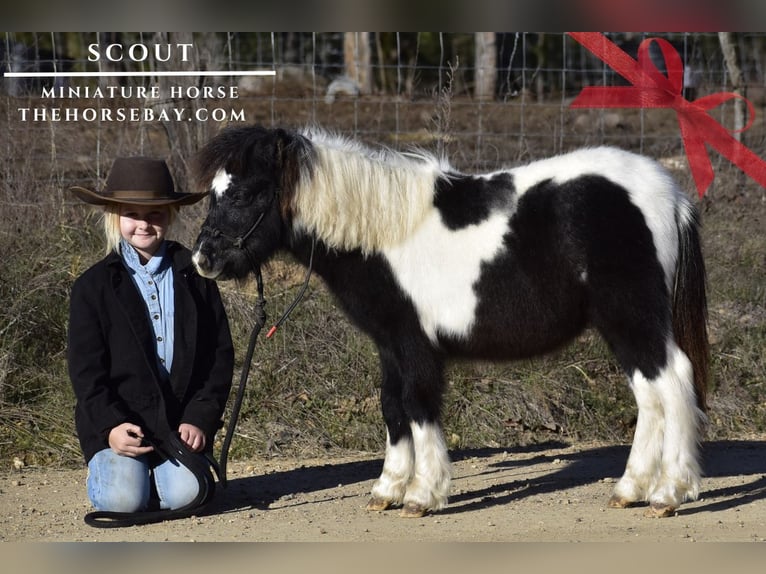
(111, 222)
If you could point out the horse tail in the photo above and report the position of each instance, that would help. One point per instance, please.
(690, 300)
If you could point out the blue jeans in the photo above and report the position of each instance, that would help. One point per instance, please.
(123, 484)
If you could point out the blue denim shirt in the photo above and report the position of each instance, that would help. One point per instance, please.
(155, 283)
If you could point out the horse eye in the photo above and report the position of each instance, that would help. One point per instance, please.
(240, 199)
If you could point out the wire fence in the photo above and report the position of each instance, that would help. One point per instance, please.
(484, 100)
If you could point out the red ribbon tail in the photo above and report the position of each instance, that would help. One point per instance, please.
(744, 159)
(696, 153)
(698, 129)
(700, 166)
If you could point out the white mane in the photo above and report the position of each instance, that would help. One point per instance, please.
(358, 197)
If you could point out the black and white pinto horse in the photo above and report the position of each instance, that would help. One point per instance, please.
(432, 263)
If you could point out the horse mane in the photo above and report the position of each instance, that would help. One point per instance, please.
(349, 195)
(356, 197)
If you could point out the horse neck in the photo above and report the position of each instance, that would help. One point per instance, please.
(355, 199)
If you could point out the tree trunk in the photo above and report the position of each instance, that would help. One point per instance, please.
(486, 66)
(356, 57)
(736, 77)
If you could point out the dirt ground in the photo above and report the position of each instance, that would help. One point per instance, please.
(555, 492)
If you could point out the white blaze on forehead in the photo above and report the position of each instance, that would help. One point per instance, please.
(221, 182)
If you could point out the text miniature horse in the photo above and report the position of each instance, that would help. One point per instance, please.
(432, 263)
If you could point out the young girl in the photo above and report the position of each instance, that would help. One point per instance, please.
(149, 351)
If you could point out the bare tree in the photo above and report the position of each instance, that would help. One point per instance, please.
(185, 138)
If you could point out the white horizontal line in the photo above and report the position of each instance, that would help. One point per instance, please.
(133, 74)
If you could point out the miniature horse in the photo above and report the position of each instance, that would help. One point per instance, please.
(432, 263)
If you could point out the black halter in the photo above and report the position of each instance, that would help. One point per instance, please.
(236, 241)
(239, 241)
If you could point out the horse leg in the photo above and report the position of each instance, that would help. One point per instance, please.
(399, 463)
(416, 471)
(429, 488)
(422, 391)
(645, 457)
(663, 465)
(679, 478)
(420, 482)
(391, 485)
(632, 311)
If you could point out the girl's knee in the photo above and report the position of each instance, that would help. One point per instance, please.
(179, 497)
(116, 495)
(120, 500)
(177, 486)
(118, 484)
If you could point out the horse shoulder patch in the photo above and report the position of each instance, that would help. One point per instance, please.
(438, 268)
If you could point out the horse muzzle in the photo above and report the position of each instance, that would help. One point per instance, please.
(221, 266)
(203, 266)
(207, 264)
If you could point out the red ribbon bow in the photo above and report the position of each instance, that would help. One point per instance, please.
(652, 89)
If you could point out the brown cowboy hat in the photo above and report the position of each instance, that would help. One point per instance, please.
(138, 181)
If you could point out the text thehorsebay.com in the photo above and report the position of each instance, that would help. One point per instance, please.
(74, 98)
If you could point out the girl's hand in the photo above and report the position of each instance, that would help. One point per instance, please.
(126, 440)
(192, 436)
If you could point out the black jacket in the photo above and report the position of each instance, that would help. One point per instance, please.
(112, 357)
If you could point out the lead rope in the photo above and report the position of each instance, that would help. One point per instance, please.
(260, 321)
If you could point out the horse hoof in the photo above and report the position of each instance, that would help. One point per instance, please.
(377, 504)
(659, 510)
(412, 510)
(620, 502)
